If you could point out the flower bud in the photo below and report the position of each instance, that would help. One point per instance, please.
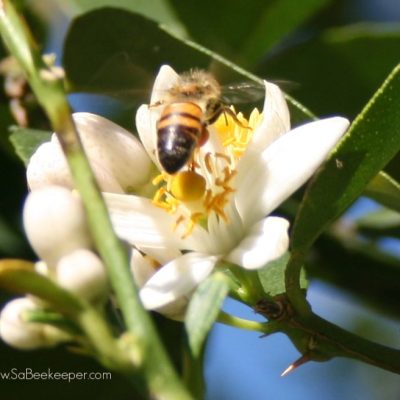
(24, 335)
(83, 273)
(48, 167)
(55, 223)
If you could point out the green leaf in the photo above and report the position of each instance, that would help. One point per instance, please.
(372, 140)
(379, 224)
(20, 277)
(385, 190)
(338, 71)
(380, 219)
(157, 10)
(122, 58)
(274, 23)
(204, 308)
(256, 26)
(272, 276)
(26, 141)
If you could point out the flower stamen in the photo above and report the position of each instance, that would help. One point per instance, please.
(206, 185)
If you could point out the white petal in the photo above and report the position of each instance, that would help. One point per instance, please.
(265, 181)
(140, 223)
(166, 78)
(148, 115)
(146, 120)
(267, 240)
(222, 236)
(55, 223)
(276, 118)
(142, 268)
(48, 166)
(175, 280)
(113, 147)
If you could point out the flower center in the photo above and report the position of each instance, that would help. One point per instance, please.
(206, 185)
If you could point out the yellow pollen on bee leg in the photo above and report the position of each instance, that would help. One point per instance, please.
(164, 200)
(158, 179)
(188, 186)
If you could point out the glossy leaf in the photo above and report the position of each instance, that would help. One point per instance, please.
(380, 219)
(157, 10)
(372, 140)
(26, 141)
(385, 190)
(331, 69)
(257, 25)
(272, 276)
(122, 56)
(381, 223)
(203, 310)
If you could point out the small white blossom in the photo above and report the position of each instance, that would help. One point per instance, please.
(55, 223)
(25, 335)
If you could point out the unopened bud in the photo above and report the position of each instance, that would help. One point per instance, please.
(55, 223)
(83, 273)
(25, 335)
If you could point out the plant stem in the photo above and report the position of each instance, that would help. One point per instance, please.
(48, 87)
(294, 291)
(265, 328)
(336, 342)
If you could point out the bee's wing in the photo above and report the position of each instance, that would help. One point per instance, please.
(250, 92)
(242, 92)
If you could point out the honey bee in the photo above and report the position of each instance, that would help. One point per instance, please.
(190, 105)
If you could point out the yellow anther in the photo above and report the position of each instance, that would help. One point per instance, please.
(188, 186)
(208, 163)
(223, 156)
(179, 220)
(194, 220)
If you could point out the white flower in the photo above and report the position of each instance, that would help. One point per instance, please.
(216, 210)
(247, 174)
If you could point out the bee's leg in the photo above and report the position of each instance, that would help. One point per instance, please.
(231, 113)
(203, 137)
